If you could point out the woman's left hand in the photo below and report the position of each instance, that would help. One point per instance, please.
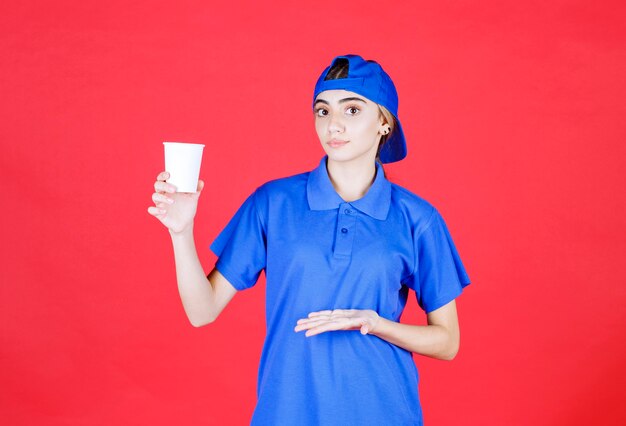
(339, 319)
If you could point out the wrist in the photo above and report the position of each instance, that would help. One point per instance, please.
(185, 233)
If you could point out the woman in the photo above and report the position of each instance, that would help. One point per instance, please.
(341, 246)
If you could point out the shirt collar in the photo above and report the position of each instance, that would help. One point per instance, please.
(322, 195)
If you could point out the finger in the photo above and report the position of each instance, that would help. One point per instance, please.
(324, 317)
(310, 324)
(348, 323)
(367, 326)
(158, 197)
(312, 319)
(318, 318)
(323, 328)
(163, 176)
(362, 324)
(314, 331)
(340, 323)
(315, 314)
(200, 185)
(155, 211)
(164, 187)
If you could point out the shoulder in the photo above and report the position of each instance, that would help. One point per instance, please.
(417, 210)
(277, 192)
(405, 199)
(284, 186)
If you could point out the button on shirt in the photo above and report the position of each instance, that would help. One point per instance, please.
(320, 252)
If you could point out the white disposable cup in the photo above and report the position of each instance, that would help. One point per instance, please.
(182, 162)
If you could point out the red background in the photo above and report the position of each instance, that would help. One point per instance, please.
(513, 113)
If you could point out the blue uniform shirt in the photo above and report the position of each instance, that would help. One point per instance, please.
(320, 252)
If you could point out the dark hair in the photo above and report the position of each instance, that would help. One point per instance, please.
(339, 69)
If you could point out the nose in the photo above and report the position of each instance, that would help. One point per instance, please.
(335, 124)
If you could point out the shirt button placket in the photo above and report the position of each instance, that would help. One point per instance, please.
(346, 222)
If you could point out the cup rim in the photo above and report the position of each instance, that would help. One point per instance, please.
(182, 143)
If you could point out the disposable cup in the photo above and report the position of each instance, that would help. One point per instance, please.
(182, 162)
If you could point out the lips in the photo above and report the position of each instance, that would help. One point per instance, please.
(337, 142)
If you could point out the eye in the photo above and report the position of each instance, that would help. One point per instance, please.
(352, 107)
(318, 110)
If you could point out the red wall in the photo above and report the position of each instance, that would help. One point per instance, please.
(514, 116)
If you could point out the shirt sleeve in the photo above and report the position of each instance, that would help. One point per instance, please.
(439, 275)
(241, 246)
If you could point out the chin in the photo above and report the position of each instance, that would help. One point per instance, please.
(339, 156)
(344, 156)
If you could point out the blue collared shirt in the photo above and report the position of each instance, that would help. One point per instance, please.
(320, 252)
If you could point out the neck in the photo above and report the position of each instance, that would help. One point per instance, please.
(351, 179)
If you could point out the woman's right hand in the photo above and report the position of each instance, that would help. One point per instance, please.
(175, 210)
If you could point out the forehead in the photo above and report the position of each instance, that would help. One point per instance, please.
(336, 95)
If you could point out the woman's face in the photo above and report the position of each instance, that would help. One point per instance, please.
(341, 115)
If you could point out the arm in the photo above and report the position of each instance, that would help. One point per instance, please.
(203, 297)
(439, 339)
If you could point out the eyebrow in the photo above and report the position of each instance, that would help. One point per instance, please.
(342, 100)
